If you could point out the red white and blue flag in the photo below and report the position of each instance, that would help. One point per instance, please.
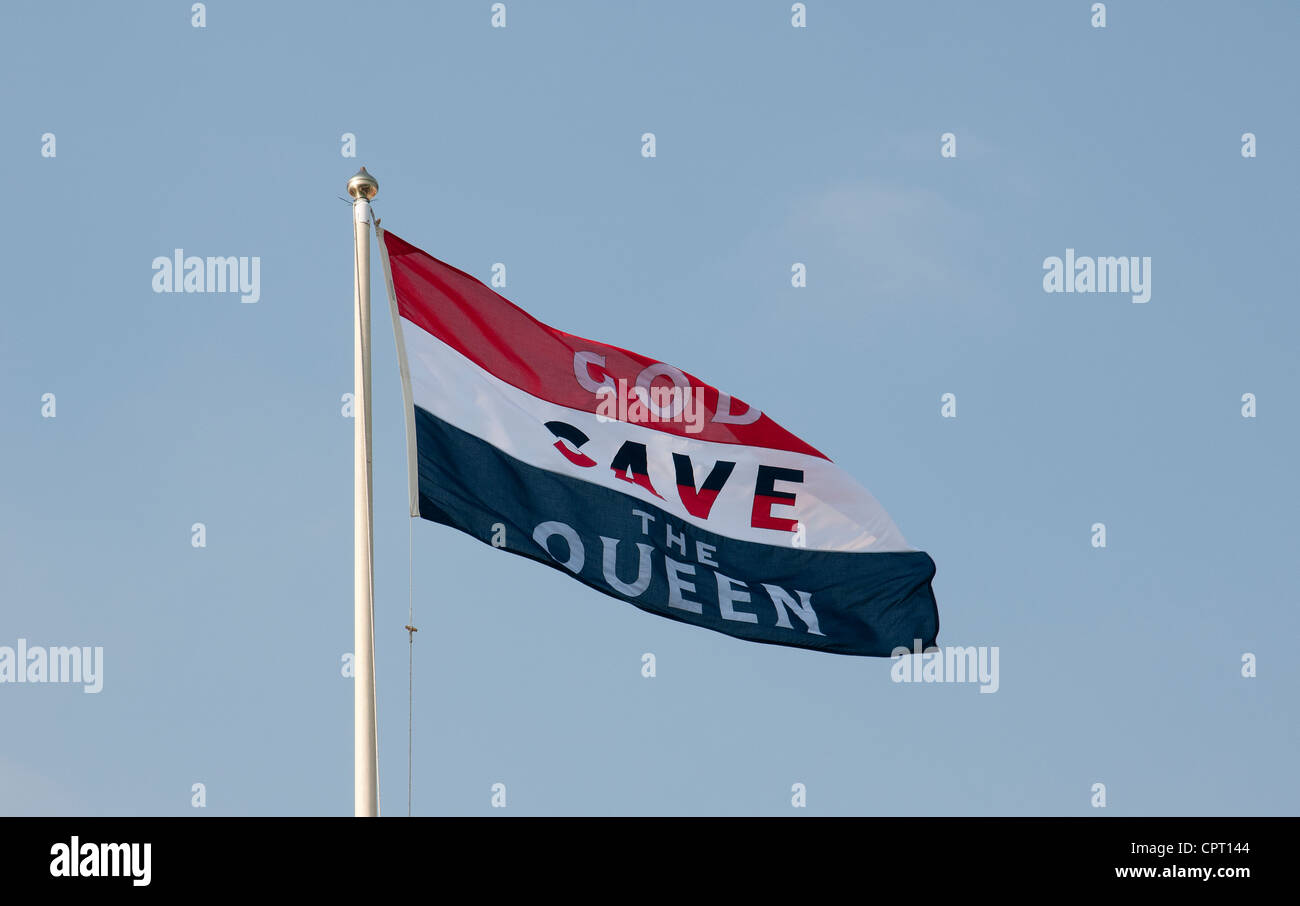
(639, 479)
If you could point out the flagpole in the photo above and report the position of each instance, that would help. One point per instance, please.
(365, 749)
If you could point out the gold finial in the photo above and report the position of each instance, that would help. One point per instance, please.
(363, 185)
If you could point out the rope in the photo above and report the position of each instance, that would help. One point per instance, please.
(410, 631)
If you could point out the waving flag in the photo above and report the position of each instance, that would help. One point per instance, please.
(639, 479)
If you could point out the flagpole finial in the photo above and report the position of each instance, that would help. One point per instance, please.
(363, 185)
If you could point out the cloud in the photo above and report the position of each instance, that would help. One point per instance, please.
(25, 793)
(891, 241)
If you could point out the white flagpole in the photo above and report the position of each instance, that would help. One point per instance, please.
(365, 751)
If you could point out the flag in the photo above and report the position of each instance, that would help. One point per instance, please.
(639, 479)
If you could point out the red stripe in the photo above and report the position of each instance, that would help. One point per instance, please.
(506, 341)
(697, 503)
(761, 515)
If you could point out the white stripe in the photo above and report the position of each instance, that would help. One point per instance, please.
(837, 513)
(412, 482)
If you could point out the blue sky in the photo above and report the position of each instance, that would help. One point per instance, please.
(774, 145)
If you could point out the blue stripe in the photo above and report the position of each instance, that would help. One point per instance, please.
(864, 604)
